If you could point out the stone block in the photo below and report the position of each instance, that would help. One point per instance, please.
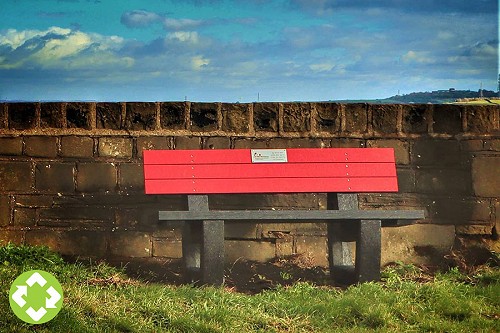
(130, 244)
(401, 149)
(459, 210)
(280, 230)
(443, 181)
(356, 118)
(173, 115)
(406, 180)
(486, 175)
(55, 177)
(79, 115)
(22, 115)
(295, 143)
(328, 117)
(265, 117)
(384, 118)
(217, 143)
(79, 243)
(241, 230)
(249, 250)
(3, 115)
(184, 142)
(482, 119)
(4, 210)
(472, 145)
(167, 248)
(140, 116)
(250, 143)
(265, 201)
(109, 115)
(415, 118)
(296, 117)
(24, 217)
(314, 248)
(420, 244)
(153, 143)
(347, 143)
(96, 177)
(115, 147)
(34, 200)
(497, 215)
(52, 115)
(447, 119)
(15, 176)
(284, 247)
(40, 146)
(235, 117)
(11, 146)
(476, 229)
(436, 152)
(203, 117)
(132, 177)
(81, 216)
(11, 236)
(77, 147)
(492, 144)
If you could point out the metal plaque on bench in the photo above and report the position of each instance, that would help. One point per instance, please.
(269, 156)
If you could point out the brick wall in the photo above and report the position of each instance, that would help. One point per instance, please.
(71, 173)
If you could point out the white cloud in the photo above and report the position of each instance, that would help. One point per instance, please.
(323, 67)
(139, 18)
(420, 57)
(184, 36)
(179, 24)
(198, 63)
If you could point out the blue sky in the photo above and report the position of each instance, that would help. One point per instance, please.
(244, 50)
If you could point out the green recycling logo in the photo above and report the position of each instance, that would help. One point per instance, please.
(36, 297)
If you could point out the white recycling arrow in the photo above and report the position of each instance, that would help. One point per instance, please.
(17, 296)
(50, 303)
(36, 278)
(36, 315)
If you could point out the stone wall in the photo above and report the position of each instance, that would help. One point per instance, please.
(71, 173)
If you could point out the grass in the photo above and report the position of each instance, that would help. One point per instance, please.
(99, 298)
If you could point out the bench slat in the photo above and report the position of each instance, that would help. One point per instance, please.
(271, 185)
(292, 215)
(270, 170)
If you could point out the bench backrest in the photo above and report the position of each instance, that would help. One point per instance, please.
(270, 171)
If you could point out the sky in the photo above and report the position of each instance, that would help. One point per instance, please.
(244, 50)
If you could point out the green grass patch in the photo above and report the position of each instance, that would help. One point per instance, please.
(99, 298)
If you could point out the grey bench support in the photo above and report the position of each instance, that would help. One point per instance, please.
(203, 235)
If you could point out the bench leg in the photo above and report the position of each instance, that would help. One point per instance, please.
(191, 250)
(212, 252)
(339, 252)
(368, 250)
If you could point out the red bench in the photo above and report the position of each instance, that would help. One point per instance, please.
(339, 172)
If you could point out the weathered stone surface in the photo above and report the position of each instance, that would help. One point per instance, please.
(417, 244)
(459, 210)
(314, 249)
(284, 247)
(481, 229)
(406, 180)
(472, 145)
(130, 244)
(96, 177)
(436, 152)
(51, 115)
(82, 216)
(415, 118)
(167, 248)
(235, 117)
(203, 117)
(486, 175)
(295, 143)
(77, 146)
(482, 119)
(248, 250)
(34, 200)
(447, 119)
(183, 142)
(401, 149)
(40, 146)
(264, 201)
(347, 143)
(15, 176)
(24, 217)
(152, 143)
(140, 116)
(4, 210)
(328, 117)
(109, 115)
(173, 115)
(492, 144)
(443, 181)
(22, 115)
(250, 143)
(115, 147)
(384, 118)
(131, 177)
(280, 230)
(11, 236)
(11, 146)
(79, 115)
(356, 118)
(55, 177)
(265, 117)
(296, 117)
(241, 230)
(3, 115)
(74, 243)
(214, 142)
